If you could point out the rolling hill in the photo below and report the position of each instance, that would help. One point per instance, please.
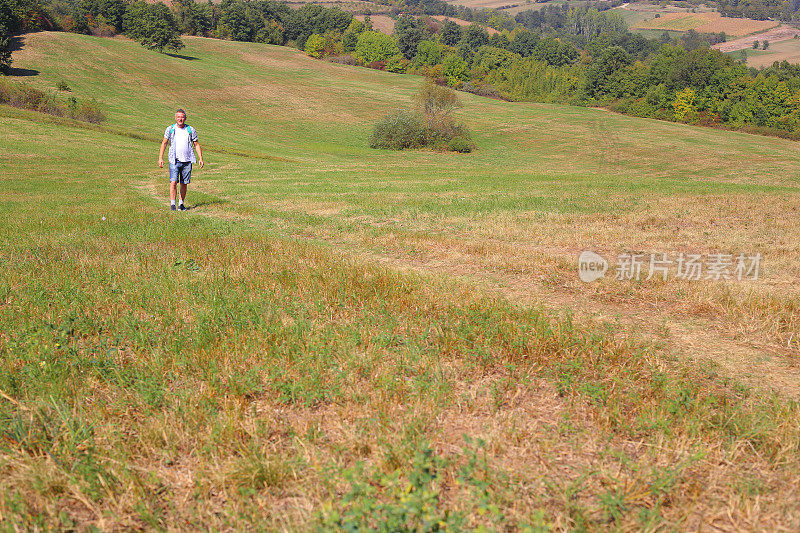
(336, 336)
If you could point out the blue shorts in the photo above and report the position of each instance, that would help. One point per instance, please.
(180, 172)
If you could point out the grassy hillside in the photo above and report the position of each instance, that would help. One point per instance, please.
(336, 335)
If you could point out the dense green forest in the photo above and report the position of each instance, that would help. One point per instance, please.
(760, 9)
(574, 55)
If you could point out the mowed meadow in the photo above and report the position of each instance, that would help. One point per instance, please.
(339, 337)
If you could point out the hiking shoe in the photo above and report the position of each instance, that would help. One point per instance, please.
(182, 207)
(172, 207)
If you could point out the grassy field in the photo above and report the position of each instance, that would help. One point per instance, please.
(335, 336)
(707, 22)
(354, 6)
(641, 18)
(788, 50)
(381, 23)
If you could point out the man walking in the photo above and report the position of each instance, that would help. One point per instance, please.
(182, 138)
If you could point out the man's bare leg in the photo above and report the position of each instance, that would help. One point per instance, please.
(173, 192)
(183, 192)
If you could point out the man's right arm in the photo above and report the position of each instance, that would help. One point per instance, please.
(161, 154)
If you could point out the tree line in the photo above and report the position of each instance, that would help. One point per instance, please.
(582, 56)
(159, 27)
(760, 9)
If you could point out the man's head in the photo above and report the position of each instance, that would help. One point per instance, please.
(180, 117)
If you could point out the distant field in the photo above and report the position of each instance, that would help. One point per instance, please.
(674, 21)
(512, 7)
(635, 16)
(339, 338)
(514, 10)
(706, 23)
(385, 23)
(463, 23)
(495, 4)
(352, 6)
(381, 23)
(748, 54)
(778, 34)
(656, 34)
(788, 50)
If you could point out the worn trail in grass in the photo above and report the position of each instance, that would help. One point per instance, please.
(311, 342)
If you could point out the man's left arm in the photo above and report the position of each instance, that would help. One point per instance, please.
(199, 153)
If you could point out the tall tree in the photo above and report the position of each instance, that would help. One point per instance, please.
(408, 33)
(153, 26)
(476, 36)
(450, 33)
(5, 53)
(234, 21)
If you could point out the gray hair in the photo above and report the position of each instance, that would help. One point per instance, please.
(180, 111)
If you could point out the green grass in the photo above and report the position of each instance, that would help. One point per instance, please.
(787, 50)
(656, 34)
(634, 17)
(748, 53)
(310, 344)
(680, 24)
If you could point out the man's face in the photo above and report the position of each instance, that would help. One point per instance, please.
(180, 119)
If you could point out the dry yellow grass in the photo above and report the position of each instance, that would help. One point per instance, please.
(334, 306)
(742, 326)
(494, 4)
(353, 6)
(462, 23)
(706, 22)
(781, 33)
(382, 23)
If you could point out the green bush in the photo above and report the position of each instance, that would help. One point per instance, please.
(429, 53)
(89, 112)
(372, 46)
(454, 69)
(533, 80)
(460, 143)
(22, 95)
(27, 97)
(315, 46)
(431, 125)
(397, 64)
(399, 130)
(349, 41)
(152, 25)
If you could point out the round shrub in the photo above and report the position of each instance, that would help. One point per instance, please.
(315, 45)
(373, 46)
(460, 144)
(398, 130)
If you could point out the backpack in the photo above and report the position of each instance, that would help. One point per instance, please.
(172, 132)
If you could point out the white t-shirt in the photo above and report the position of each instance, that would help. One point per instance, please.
(183, 146)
